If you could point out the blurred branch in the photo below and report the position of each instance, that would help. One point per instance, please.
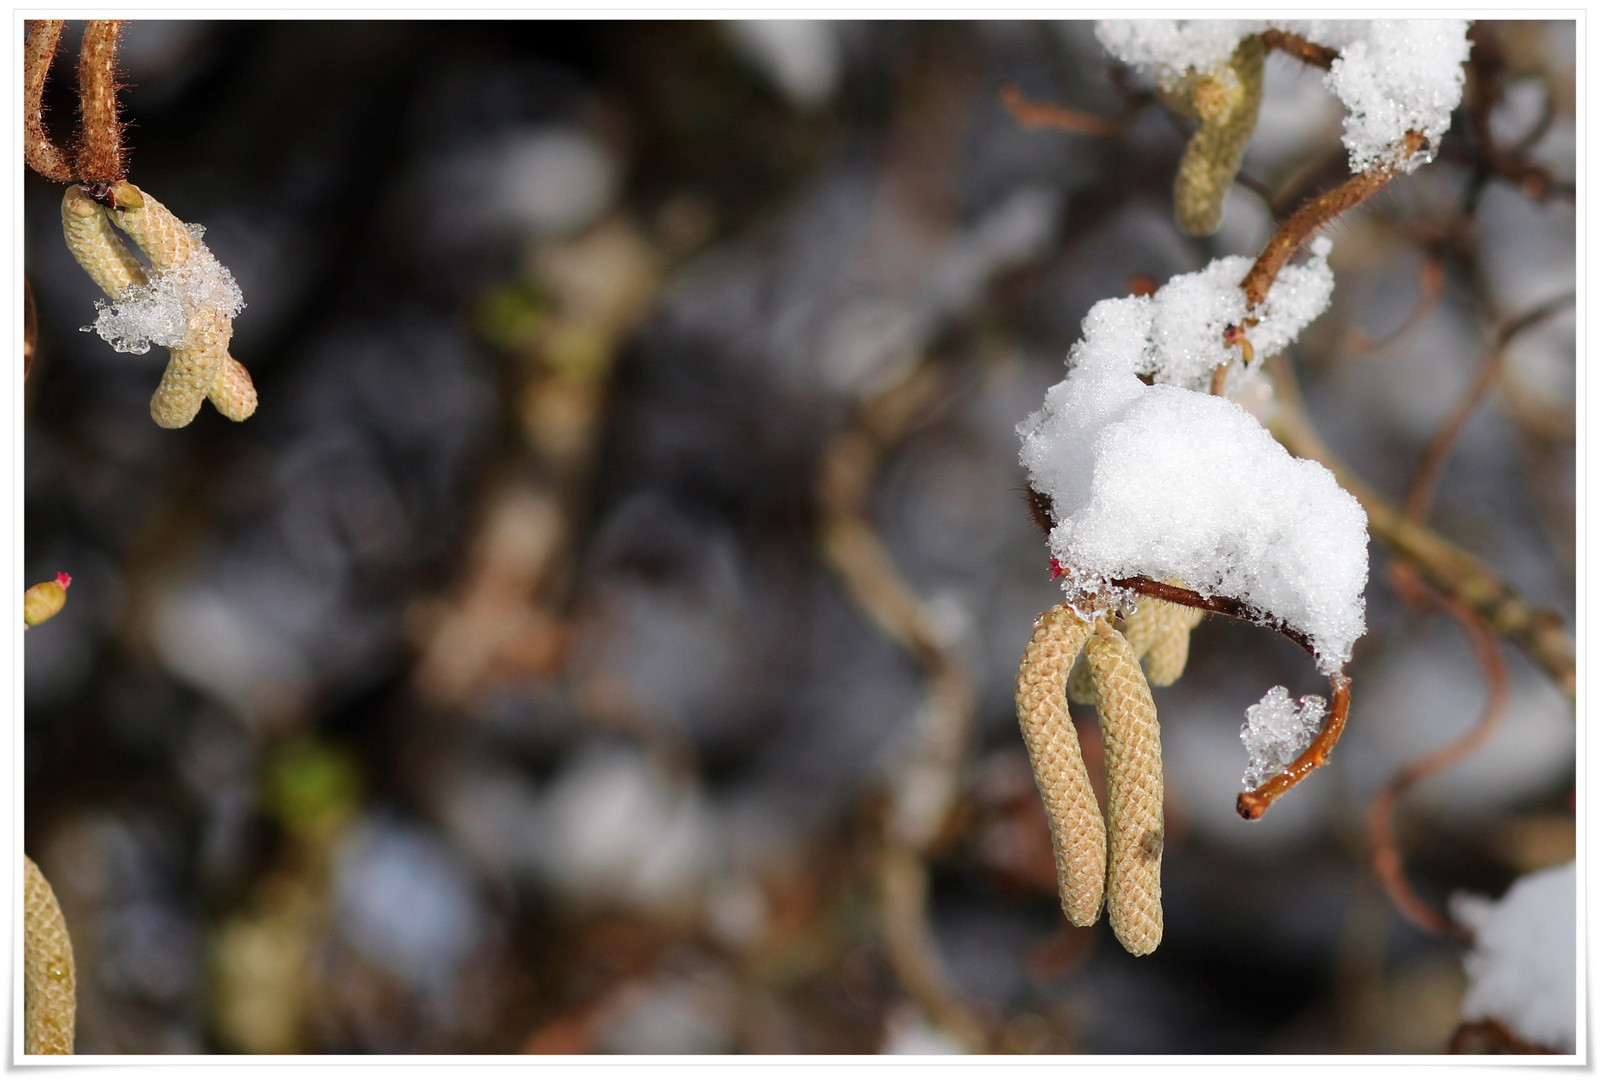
(1039, 114)
(1431, 285)
(30, 329)
(1444, 565)
(924, 790)
(1387, 860)
(1487, 81)
(1420, 491)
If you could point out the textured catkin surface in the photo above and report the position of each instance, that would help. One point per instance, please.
(232, 392)
(96, 245)
(1078, 834)
(164, 239)
(192, 370)
(202, 367)
(1170, 651)
(1227, 103)
(1080, 687)
(49, 979)
(1133, 791)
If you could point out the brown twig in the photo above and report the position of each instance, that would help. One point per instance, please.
(41, 155)
(1253, 804)
(1444, 565)
(100, 154)
(1038, 114)
(1308, 52)
(1487, 66)
(1387, 860)
(1421, 489)
(1313, 215)
(1431, 285)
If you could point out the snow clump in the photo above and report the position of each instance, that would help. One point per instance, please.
(1163, 481)
(1275, 732)
(1393, 75)
(1523, 967)
(158, 313)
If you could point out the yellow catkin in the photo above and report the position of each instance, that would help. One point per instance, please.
(96, 245)
(1170, 652)
(1078, 834)
(1133, 791)
(49, 978)
(1080, 687)
(44, 601)
(201, 367)
(1226, 102)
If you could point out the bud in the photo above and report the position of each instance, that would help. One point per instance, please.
(45, 599)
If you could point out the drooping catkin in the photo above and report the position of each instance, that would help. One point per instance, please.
(201, 367)
(1133, 791)
(192, 370)
(96, 245)
(49, 977)
(1080, 687)
(1226, 102)
(1170, 652)
(1078, 834)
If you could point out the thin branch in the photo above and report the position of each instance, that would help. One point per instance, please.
(1251, 805)
(1387, 860)
(1316, 213)
(42, 155)
(1444, 565)
(1038, 114)
(100, 154)
(1431, 286)
(1308, 52)
(1420, 491)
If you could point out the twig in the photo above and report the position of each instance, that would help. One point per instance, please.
(1308, 52)
(1421, 490)
(1253, 804)
(100, 153)
(41, 155)
(1038, 114)
(1431, 285)
(1381, 814)
(1444, 565)
(1316, 213)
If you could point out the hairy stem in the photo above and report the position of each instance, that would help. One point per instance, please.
(100, 154)
(42, 155)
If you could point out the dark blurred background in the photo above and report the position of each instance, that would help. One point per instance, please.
(490, 691)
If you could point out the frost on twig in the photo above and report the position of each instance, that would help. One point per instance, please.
(1276, 731)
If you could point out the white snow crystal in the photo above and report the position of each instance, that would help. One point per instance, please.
(158, 313)
(1393, 75)
(1163, 481)
(1275, 732)
(1523, 967)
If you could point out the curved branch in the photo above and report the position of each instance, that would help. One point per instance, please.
(1381, 825)
(42, 155)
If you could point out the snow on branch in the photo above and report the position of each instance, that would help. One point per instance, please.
(1166, 481)
(1394, 75)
